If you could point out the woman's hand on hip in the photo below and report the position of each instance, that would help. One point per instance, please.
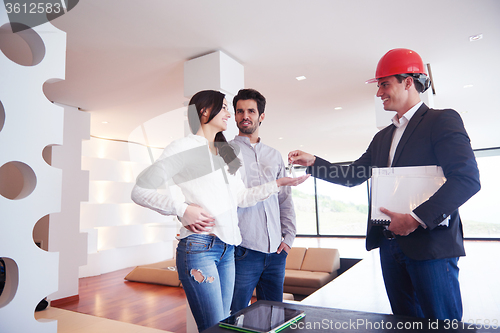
(197, 220)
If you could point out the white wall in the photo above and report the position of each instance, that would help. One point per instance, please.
(121, 234)
(64, 227)
(30, 123)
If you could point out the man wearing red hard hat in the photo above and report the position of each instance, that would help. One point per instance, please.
(419, 251)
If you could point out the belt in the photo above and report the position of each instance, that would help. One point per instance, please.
(388, 234)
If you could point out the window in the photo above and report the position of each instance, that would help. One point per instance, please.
(328, 209)
(479, 215)
(338, 210)
(342, 210)
(305, 206)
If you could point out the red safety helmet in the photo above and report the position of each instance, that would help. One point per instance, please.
(403, 62)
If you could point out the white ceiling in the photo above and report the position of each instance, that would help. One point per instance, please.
(125, 63)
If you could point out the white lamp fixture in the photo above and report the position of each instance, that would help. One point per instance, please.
(474, 38)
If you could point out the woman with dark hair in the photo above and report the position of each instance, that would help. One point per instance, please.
(205, 167)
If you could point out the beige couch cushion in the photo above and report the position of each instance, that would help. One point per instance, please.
(295, 257)
(321, 260)
(307, 278)
(160, 273)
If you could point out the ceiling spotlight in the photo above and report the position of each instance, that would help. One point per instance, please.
(104, 122)
(468, 86)
(475, 37)
(338, 108)
(300, 78)
(280, 138)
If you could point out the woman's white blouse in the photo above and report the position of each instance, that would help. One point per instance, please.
(204, 180)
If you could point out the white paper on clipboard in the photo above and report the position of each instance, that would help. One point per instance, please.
(402, 189)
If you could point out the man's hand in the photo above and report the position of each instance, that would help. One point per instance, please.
(197, 220)
(301, 158)
(283, 246)
(401, 224)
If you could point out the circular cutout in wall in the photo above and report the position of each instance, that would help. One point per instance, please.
(25, 48)
(9, 280)
(17, 180)
(2, 116)
(47, 154)
(41, 233)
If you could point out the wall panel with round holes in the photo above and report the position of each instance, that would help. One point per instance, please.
(18, 180)
(28, 123)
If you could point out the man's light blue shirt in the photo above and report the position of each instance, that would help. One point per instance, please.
(268, 223)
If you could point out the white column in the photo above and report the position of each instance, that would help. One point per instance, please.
(64, 227)
(215, 71)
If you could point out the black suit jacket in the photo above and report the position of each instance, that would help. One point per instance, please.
(432, 137)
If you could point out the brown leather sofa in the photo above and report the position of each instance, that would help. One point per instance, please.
(308, 269)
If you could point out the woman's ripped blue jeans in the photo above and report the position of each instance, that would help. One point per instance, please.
(206, 269)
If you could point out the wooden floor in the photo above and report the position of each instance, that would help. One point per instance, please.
(73, 322)
(156, 306)
(110, 296)
(162, 307)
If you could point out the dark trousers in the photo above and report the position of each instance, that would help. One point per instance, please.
(264, 272)
(420, 288)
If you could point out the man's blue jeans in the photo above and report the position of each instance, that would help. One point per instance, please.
(206, 269)
(420, 288)
(264, 272)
